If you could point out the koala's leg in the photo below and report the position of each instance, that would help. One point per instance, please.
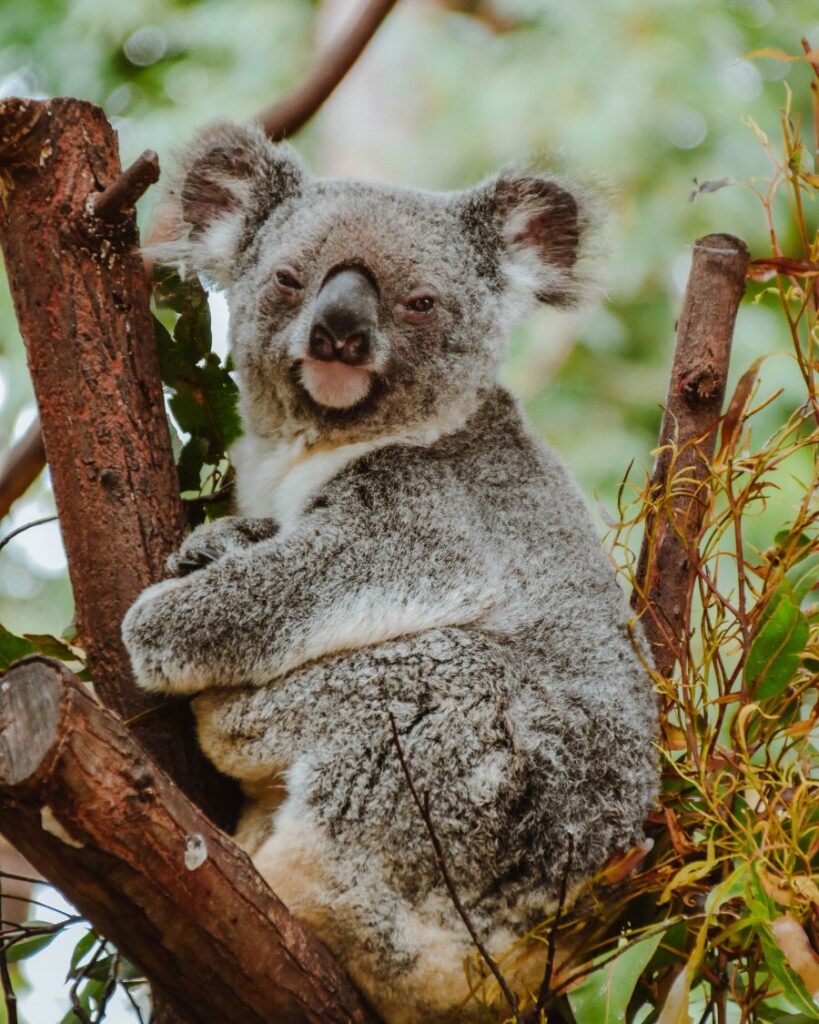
(348, 849)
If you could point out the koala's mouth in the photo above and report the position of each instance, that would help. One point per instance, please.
(335, 385)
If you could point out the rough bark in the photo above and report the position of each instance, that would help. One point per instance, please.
(687, 439)
(82, 303)
(106, 825)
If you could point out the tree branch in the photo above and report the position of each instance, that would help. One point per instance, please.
(122, 194)
(21, 466)
(83, 801)
(687, 440)
(89, 336)
(296, 108)
(26, 459)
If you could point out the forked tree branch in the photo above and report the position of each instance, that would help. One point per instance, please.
(25, 460)
(688, 435)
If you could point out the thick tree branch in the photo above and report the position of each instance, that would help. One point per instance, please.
(81, 298)
(82, 800)
(26, 459)
(687, 439)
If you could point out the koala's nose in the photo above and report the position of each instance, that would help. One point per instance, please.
(344, 318)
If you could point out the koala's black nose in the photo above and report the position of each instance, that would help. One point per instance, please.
(345, 317)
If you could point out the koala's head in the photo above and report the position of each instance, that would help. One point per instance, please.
(359, 308)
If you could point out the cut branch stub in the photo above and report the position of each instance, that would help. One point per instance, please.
(119, 198)
(82, 302)
(687, 440)
(82, 801)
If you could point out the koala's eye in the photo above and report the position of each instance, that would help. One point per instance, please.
(287, 281)
(418, 305)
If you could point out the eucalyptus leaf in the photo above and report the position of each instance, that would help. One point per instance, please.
(81, 951)
(603, 996)
(28, 947)
(12, 648)
(804, 577)
(779, 641)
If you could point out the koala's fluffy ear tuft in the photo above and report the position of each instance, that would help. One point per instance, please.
(230, 180)
(539, 226)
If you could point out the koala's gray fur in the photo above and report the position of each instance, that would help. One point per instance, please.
(418, 552)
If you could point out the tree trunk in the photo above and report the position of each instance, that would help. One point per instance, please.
(82, 302)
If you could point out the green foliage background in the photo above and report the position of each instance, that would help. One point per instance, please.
(641, 96)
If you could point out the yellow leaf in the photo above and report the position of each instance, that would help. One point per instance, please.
(792, 940)
(675, 1010)
(772, 888)
(806, 887)
(776, 54)
(688, 873)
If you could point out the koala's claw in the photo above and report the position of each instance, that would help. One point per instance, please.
(184, 565)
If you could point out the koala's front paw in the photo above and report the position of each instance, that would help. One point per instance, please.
(154, 635)
(211, 541)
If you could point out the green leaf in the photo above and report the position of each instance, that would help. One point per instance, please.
(763, 911)
(780, 638)
(50, 646)
(12, 648)
(81, 950)
(792, 986)
(192, 331)
(804, 577)
(28, 947)
(101, 969)
(603, 996)
(191, 460)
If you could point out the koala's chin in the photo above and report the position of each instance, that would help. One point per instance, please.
(335, 385)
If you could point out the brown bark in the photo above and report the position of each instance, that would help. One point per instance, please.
(687, 439)
(215, 940)
(82, 303)
(21, 466)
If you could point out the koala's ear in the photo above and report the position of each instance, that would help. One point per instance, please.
(539, 226)
(230, 180)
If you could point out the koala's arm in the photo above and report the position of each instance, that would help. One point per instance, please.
(212, 541)
(337, 582)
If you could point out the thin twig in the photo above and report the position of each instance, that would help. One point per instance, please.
(10, 998)
(423, 809)
(544, 994)
(21, 466)
(292, 111)
(114, 202)
(24, 527)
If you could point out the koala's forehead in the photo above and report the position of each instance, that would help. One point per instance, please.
(386, 228)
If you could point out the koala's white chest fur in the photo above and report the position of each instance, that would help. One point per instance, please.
(278, 478)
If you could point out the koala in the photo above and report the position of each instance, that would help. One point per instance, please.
(405, 554)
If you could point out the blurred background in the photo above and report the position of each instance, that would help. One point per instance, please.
(645, 97)
(642, 96)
